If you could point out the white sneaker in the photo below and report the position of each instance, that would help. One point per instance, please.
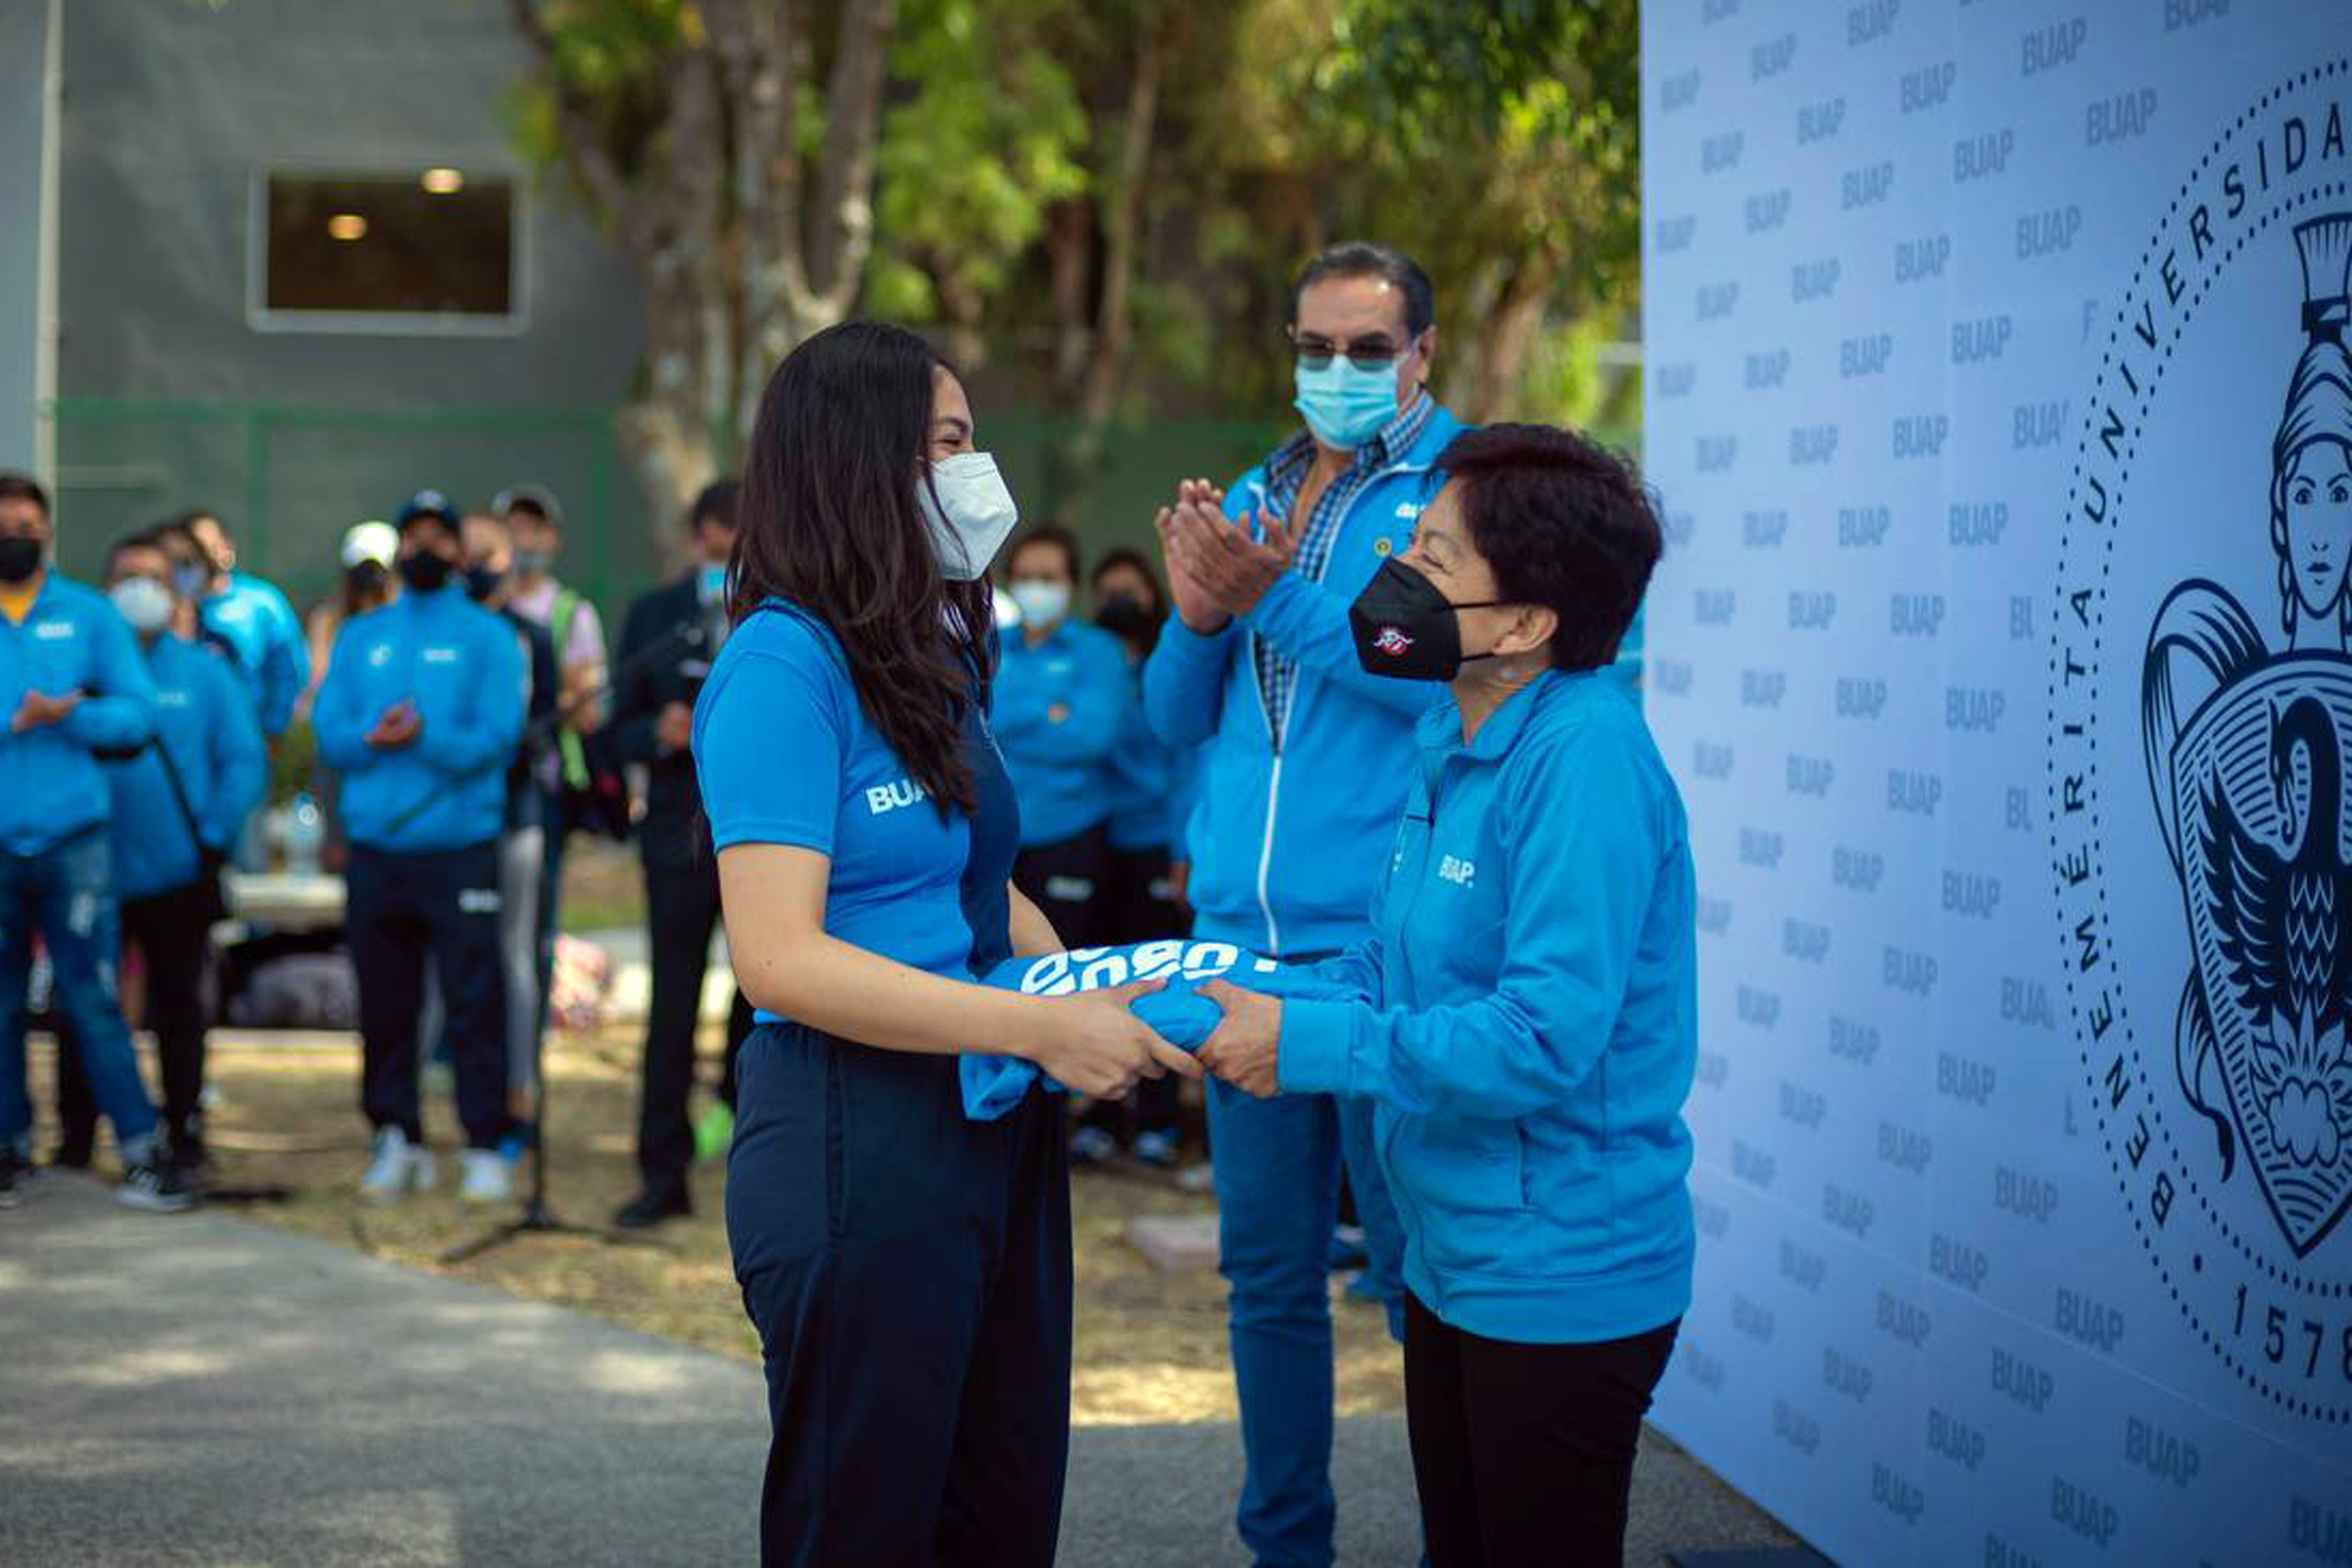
(398, 1169)
(488, 1178)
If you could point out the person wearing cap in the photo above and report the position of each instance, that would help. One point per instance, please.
(667, 642)
(256, 619)
(421, 712)
(489, 578)
(74, 687)
(366, 554)
(536, 521)
(368, 583)
(176, 806)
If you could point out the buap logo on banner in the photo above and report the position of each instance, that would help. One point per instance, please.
(2205, 894)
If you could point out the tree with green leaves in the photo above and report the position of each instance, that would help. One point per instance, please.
(1099, 201)
(730, 149)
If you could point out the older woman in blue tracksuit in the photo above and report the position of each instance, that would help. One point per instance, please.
(1524, 1013)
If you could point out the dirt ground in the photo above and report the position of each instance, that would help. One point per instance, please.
(1151, 1346)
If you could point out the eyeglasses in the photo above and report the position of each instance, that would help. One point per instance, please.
(1374, 353)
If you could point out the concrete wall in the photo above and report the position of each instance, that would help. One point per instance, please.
(171, 111)
(24, 31)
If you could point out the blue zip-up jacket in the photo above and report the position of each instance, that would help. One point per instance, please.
(1284, 838)
(1183, 794)
(465, 669)
(204, 717)
(52, 787)
(1059, 767)
(253, 618)
(1527, 1027)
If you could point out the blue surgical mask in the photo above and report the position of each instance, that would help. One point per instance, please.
(710, 583)
(188, 580)
(1345, 406)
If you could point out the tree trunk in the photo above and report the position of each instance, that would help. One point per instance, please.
(742, 252)
(1122, 221)
(1504, 333)
(1090, 361)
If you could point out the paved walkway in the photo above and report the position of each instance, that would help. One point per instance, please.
(199, 1389)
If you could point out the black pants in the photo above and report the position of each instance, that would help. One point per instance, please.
(682, 910)
(1524, 1453)
(908, 1272)
(1067, 879)
(400, 909)
(174, 934)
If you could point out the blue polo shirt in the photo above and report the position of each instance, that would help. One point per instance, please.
(204, 718)
(786, 755)
(1056, 711)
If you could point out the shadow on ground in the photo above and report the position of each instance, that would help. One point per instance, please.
(202, 1390)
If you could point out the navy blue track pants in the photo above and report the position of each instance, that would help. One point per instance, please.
(908, 1272)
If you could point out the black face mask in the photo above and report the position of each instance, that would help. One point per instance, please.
(425, 571)
(20, 557)
(481, 582)
(1405, 627)
(1123, 617)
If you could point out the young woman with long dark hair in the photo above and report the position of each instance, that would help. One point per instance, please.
(907, 1268)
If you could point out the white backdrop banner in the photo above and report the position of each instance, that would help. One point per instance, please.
(1999, 397)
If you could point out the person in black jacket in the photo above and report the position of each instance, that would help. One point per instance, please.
(670, 637)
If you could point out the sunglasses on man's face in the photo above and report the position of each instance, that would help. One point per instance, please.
(1374, 352)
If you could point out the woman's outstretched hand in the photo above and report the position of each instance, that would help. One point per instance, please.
(1245, 1049)
(1090, 1042)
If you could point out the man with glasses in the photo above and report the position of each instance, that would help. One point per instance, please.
(1304, 765)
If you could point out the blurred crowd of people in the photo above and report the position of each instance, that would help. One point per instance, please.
(466, 719)
(470, 716)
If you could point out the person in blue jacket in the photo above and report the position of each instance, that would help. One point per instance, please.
(421, 711)
(907, 1266)
(176, 808)
(74, 687)
(255, 619)
(1525, 1011)
(1061, 692)
(1148, 785)
(1304, 760)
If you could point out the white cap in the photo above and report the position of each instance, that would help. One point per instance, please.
(373, 541)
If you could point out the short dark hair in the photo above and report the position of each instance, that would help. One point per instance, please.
(1060, 538)
(1361, 259)
(145, 539)
(1562, 521)
(16, 486)
(1120, 555)
(715, 504)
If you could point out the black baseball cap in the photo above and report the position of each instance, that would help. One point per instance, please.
(425, 505)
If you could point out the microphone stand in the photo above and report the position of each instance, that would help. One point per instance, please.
(537, 1219)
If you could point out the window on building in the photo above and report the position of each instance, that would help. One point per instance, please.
(429, 249)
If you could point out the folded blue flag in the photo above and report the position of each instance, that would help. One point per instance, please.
(1176, 1012)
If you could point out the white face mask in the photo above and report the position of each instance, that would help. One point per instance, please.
(143, 602)
(971, 515)
(1042, 604)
